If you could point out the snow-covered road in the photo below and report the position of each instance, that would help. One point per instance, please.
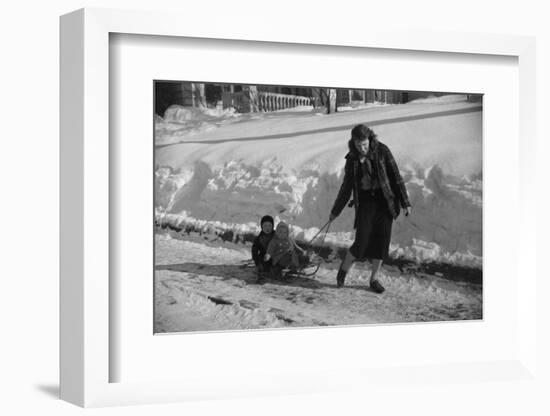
(203, 285)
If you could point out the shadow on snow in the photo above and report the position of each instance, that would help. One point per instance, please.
(227, 272)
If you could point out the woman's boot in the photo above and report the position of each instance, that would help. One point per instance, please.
(344, 268)
(341, 277)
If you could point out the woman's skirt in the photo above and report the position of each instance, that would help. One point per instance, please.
(373, 227)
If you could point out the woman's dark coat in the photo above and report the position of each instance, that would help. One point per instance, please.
(387, 173)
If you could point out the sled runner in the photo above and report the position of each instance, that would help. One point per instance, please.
(306, 268)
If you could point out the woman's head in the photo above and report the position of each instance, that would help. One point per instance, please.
(361, 135)
(282, 230)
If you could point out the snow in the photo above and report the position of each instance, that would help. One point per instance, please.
(218, 171)
(206, 285)
(181, 122)
(360, 106)
(432, 99)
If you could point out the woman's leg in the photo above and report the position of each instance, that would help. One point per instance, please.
(344, 268)
(376, 263)
(374, 283)
(347, 262)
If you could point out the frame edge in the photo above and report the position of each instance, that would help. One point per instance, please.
(71, 215)
(76, 337)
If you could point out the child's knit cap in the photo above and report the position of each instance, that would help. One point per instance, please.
(267, 218)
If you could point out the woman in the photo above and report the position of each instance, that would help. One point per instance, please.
(379, 193)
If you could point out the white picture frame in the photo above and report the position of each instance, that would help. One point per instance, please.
(86, 305)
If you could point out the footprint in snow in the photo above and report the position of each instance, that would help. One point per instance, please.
(248, 304)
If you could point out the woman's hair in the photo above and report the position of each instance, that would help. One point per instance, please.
(362, 132)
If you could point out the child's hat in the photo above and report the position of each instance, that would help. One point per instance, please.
(267, 218)
(282, 225)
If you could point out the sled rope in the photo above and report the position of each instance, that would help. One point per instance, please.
(327, 226)
(325, 234)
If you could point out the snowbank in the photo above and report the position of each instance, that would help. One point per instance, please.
(290, 166)
(443, 99)
(181, 122)
(180, 114)
(361, 106)
(447, 211)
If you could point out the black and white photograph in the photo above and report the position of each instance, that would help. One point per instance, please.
(293, 208)
(279, 206)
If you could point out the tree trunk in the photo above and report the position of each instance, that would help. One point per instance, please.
(331, 102)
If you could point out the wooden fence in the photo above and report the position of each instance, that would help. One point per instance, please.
(250, 101)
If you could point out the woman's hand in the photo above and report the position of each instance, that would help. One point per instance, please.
(331, 217)
(408, 211)
(267, 257)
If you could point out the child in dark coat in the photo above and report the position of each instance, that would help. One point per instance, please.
(259, 246)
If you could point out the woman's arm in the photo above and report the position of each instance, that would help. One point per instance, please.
(398, 185)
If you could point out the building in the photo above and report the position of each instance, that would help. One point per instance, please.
(264, 98)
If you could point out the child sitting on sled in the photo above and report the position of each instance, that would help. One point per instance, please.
(283, 252)
(259, 246)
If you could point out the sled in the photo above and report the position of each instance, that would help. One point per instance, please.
(309, 263)
(307, 268)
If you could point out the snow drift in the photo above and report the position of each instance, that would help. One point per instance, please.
(180, 122)
(290, 166)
